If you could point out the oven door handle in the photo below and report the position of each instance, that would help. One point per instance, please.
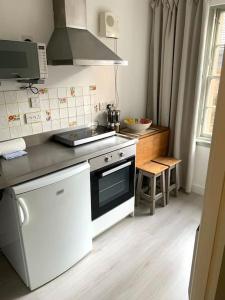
(116, 169)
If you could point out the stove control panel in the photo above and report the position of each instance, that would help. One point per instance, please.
(112, 157)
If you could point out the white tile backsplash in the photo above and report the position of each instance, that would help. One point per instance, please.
(44, 104)
(37, 128)
(3, 111)
(3, 122)
(11, 97)
(79, 101)
(87, 100)
(54, 103)
(47, 126)
(80, 111)
(87, 110)
(12, 108)
(4, 134)
(71, 102)
(63, 112)
(24, 107)
(15, 132)
(62, 92)
(59, 107)
(80, 120)
(52, 93)
(64, 123)
(22, 96)
(72, 111)
(78, 91)
(55, 114)
(56, 124)
(26, 129)
(2, 98)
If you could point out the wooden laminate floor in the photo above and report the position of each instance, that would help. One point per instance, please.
(140, 258)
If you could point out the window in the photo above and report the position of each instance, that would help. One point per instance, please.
(212, 72)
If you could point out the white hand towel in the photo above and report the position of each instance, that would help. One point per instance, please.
(12, 146)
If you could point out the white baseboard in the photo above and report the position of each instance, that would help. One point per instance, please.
(198, 189)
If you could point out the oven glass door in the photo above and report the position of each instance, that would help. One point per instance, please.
(18, 60)
(112, 186)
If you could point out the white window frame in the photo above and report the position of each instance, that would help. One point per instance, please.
(210, 37)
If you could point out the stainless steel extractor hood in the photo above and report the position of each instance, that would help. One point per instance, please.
(71, 43)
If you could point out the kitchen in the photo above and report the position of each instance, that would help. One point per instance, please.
(53, 246)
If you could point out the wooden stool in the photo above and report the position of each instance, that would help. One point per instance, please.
(152, 170)
(171, 183)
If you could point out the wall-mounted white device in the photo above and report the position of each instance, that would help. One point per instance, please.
(109, 25)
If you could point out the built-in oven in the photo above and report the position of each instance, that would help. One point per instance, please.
(112, 180)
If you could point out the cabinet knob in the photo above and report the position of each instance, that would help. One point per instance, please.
(107, 159)
(122, 154)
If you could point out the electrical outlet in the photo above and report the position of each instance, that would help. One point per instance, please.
(102, 106)
(34, 102)
(33, 117)
(28, 38)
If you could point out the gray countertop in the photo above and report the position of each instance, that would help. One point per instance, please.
(52, 156)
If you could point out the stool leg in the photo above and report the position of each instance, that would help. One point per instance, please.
(177, 180)
(139, 187)
(168, 179)
(163, 188)
(153, 194)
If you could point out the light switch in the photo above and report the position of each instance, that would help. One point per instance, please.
(35, 102)
(33, 117)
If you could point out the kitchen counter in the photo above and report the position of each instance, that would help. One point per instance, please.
(51, 156)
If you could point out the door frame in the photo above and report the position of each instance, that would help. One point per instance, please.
(211, 240)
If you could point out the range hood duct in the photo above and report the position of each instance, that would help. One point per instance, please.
(71, 43)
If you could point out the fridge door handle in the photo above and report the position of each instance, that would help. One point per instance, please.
(24, 216)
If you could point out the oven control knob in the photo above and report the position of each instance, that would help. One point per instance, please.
(107, 159)
(122, 154)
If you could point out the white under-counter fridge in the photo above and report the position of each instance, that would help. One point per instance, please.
(46, 224)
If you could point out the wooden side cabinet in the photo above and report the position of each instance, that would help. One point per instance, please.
(152, 144)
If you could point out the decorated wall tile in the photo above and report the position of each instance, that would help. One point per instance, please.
(62, 102)
(78, 91)
(23, 113)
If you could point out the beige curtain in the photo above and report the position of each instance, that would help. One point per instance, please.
(174, 55)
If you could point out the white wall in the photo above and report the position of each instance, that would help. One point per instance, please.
(201, 168)
(35, 18)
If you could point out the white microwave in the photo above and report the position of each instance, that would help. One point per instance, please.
(23, 61)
